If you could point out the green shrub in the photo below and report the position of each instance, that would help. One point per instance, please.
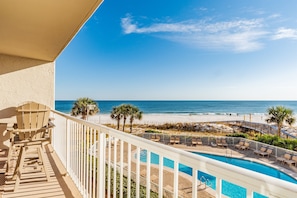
(274, 140)
(242, 135)
(152, 131)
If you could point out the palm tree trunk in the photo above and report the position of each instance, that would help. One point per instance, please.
(131, 121)
(279, 130)
(124, 124)
(118, 123)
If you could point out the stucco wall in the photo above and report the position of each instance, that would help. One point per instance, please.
(22, 80)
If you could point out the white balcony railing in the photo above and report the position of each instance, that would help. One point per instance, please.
(91, 152)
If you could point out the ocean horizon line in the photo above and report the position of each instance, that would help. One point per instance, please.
(186, 107)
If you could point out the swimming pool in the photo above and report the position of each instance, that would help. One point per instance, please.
(228, 189)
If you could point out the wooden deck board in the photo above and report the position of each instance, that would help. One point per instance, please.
(59, 185)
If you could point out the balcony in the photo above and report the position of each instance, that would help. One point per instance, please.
(83, 156)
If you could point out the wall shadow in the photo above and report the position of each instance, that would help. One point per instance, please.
(8, 112)
(18, 63)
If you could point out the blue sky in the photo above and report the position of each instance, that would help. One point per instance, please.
(183, 50)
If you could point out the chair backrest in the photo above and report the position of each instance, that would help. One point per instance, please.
(287, 156)
(263, 149)
(269, 151)
(32, 116)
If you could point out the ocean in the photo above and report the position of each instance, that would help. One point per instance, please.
(187, 107)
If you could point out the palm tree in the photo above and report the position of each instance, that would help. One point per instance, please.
(134, 113)
(84, 107)
(116, 114)
(125, 109)
(279, 115)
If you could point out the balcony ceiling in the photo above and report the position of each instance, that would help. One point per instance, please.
(41, 29)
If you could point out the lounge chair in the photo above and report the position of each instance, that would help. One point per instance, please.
(172, 140)
(267, 153)
(177, 140)
(285, 157)
(246, 146)
(262, 150)
(239, 145)
(218, 142)
(292, 161)
(224, 143)
(194, 141)
(158, 138)
(31, 131)
(199, 141)
(155, 138)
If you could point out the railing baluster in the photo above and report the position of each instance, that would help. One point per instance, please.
(175, 180)
(96, 150)
(121, 167)
(129, 171)
(67, 145)
(160, 176)
(109, 167)
(81, 167)
(91, 156)
(87, 156)
(114, 168)
(137, 171)
(148, 174)
(101, 166)
(85, 160)
(218, 187)
(194, 183)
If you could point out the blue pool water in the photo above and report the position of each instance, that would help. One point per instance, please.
(228, 189)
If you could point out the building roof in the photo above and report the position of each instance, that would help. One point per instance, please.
(41, 29)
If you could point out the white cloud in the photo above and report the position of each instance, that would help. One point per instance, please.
(285, 33)
(127, 25)
(238, 35)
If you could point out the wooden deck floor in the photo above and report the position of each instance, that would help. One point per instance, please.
(60, 185)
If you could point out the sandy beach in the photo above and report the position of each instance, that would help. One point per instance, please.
(179, 118)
